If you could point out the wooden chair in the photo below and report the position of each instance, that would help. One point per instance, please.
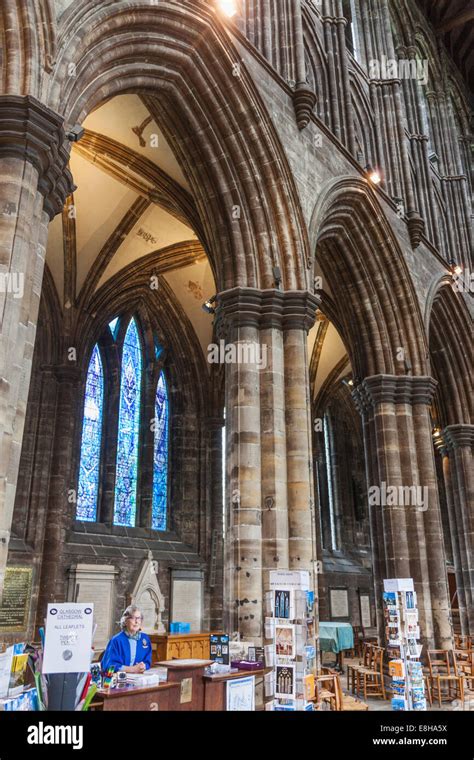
(347, 702)
(326, 690)
(356, 651)
(463, 642)
(370, 677)
(365, 661)
(426, 680)
(443, 670)
(333, 693)
(464, 660)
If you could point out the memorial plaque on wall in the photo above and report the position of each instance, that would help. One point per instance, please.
(339, 600)
(365, 614)
(186, 599)
(16, 599)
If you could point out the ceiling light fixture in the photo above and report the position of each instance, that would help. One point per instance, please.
(228, 7)
(208, 307)
(373, 175)
(455, 268)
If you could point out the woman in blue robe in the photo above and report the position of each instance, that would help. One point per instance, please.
(129, 650)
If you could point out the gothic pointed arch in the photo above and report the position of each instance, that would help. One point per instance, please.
(211, 115)
(376, 305)
(450, 340)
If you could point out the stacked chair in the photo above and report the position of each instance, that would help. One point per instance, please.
(368, 675)
(329, 691)
(445, 680)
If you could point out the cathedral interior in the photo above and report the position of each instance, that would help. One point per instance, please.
(290, 178)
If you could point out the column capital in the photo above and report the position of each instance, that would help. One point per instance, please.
(31, 131)
(456, 436)
(394, 389)
(283, 310)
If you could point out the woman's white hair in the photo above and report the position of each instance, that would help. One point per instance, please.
(127, 614)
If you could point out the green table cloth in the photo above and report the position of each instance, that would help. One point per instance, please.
(334, 637)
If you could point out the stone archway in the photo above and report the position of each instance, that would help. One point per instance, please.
(378, 313)
(450, 340)
(212, 116)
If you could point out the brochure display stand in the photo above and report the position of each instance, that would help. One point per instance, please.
(290, 641)
(402, 634)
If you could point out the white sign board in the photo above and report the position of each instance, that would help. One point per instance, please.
(290, 579)
(6, 660)
(241, 695)
(68, 639)
(398, 584)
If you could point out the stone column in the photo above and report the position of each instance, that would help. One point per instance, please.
(298, 318)
(304, 99)
(60, 507)
(459, 483)
(273, 452)
(404, 496)
(214, 426)
(387, 100)
(237, 324)
(270, 514)
(34, 183)
(379, 571)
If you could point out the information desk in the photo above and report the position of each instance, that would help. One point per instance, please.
(163, 697)
(215, 688)
(180, 646)
(189, 675)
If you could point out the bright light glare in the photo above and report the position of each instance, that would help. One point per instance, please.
(229, 7)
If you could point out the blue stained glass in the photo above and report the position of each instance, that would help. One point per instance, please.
(89, 469)
(128, 430)
(113, 326)
(160, 458)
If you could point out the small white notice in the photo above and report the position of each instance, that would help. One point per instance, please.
(68, 640)
(6, 660)
(241, 695)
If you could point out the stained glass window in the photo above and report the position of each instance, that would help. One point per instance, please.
(113, 326)
(128, 430)
(89, 469)
(160, 459)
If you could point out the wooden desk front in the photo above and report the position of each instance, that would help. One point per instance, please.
(215, 688)
(190, 677)
(161, 698)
